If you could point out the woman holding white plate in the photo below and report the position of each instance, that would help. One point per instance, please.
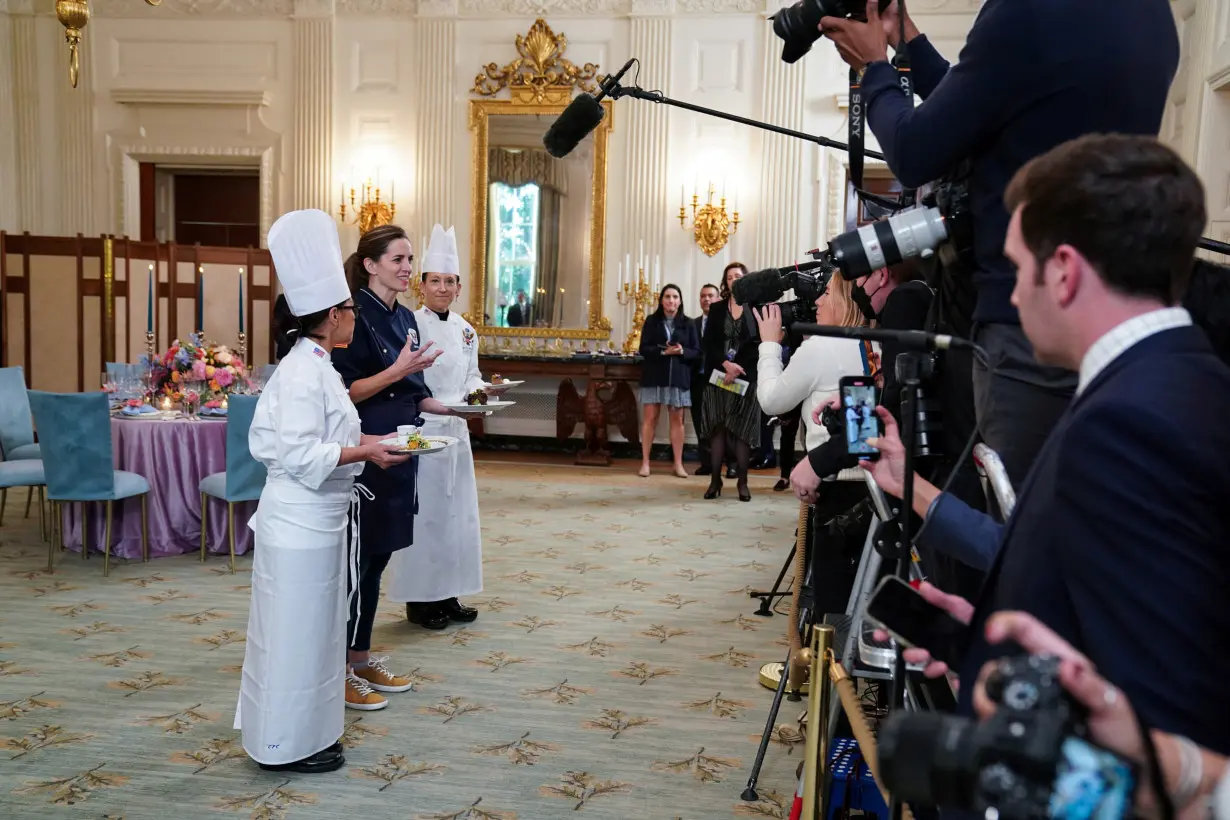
(446, 560)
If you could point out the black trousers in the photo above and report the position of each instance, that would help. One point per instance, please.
(1018, 401)
(787, 447)
(363, 608)
(702, 442)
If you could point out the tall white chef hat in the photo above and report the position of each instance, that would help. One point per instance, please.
(441, 255)
(308, 259)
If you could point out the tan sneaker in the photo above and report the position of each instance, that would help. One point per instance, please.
(381, 679)
(360, 696)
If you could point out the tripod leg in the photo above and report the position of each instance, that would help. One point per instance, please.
(766, 599)
(749, 793)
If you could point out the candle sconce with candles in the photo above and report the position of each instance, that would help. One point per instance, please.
(712, 226)
(638, 295)
(369, 211)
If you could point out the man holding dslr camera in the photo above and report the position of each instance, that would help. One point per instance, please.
(1032, 75)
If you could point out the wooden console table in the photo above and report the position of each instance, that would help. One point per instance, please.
(609, 398)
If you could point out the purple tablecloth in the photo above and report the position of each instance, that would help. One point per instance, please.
(173, 456)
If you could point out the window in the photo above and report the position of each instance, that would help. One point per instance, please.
(515, 242)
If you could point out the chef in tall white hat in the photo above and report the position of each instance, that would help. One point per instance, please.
(446, 560)
(305, 430)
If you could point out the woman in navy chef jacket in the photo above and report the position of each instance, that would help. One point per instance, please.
(382, 367)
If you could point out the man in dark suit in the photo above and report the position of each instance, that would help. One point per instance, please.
(1120, 540)
(519, 315)
(700, 377)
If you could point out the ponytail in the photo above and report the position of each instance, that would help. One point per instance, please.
(289, 328)
(356, 274)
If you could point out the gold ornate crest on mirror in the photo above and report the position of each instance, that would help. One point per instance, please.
(539, 223)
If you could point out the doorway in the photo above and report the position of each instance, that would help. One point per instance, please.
(219, 207)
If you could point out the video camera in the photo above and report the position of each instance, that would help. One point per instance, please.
(1031, 759)
(767, 286)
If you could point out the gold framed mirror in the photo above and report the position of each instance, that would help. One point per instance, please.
(538, 225)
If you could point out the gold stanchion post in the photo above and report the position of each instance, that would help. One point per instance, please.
(815, 760)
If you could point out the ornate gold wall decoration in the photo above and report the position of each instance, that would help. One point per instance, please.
(712, 225)
(541, 74)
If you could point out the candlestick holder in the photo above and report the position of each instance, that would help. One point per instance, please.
(243, 348)
(640, 296)
(712, 225)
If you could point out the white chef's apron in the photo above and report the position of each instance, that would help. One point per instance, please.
(292, 698)
(446, 559)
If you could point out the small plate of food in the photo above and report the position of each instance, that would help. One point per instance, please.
(499, 384)
(417, 444)
(476, 402)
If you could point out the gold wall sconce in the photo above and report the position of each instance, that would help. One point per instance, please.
(73, 15)
(712, 225)
(370, 211)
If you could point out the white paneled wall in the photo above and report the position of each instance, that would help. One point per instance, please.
(1197, 122)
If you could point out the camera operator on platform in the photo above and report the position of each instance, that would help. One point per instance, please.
(1031, 75)
(1119, 539)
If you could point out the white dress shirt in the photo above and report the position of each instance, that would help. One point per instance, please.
(811, 378)
(1123, 336)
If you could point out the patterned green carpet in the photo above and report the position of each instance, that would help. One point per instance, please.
(611, 673)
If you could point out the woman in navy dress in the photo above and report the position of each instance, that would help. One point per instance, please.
(382, 367)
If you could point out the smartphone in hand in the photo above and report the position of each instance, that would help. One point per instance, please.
(914, 621)
(859, 397)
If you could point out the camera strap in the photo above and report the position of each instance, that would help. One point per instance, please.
(857, 119)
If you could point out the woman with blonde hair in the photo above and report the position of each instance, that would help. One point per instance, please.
(817, 366)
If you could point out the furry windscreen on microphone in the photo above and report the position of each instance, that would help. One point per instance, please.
(573, 125)
(1208, 301)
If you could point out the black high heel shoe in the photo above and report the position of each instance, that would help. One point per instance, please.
(744, 493)
(715, 488)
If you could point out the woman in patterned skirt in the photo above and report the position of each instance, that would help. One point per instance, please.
(669, 345)
(729, 419)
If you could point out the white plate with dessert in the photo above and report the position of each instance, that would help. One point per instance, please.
(477, 402)
(499, 384)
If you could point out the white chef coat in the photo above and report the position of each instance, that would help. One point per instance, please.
(446, 559)
(811, 378)
(292, 696)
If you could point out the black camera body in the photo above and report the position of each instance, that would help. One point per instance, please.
(799, 25)
(1008, 763)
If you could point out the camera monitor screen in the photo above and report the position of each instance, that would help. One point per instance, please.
(1091, 784)
(858, 407)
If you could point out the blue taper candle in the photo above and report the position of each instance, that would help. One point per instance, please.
(149, 312)
(241, 301)
(200, 301)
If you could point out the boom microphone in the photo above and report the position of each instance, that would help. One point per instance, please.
(581, 117)
(916, 339)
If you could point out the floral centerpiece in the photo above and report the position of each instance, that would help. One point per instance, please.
(206, 370)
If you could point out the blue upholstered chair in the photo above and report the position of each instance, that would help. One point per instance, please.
(16, 432)
(75, 428)
(244, 477)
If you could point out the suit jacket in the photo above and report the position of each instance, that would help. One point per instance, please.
(713, 345)
(658, 370)
(1120, 540)
(518, 315)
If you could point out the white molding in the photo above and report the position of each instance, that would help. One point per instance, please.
(192, 8)
(481, 9)
(127, 181)
(214, 97)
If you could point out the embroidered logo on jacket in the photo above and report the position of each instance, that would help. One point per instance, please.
(413, 336)
(468, 336)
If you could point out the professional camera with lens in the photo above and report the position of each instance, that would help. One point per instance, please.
(799, 25)
(1031, 759)
(767, 286)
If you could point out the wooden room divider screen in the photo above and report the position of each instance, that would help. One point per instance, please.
(68, 305)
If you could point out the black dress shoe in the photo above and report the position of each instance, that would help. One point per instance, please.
(456, 611)
(428, 616)
(703, 469)
(731, 472)
(335, 749)
(319, 763)
(782, 485)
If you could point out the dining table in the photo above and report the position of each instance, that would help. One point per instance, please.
(173, 453)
